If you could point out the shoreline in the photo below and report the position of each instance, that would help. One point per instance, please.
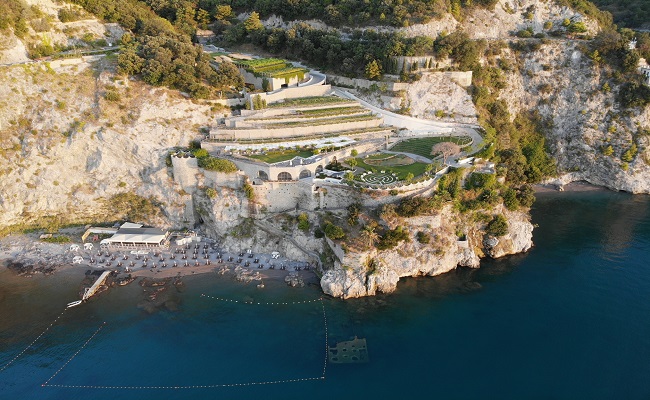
(575, 186)
(26, 255)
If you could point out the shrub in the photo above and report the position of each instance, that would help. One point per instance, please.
(333, 231)
(217, 164)
(57, 239)
(112, 95)
(525, 33)
(391, 238)
(303, 222)
(211, 192)
(498, 226)
(423, 237)
(249, 191)
(69, 15)
(413, 206)
(480, 180)
(200, 153)
(630, 153)
(354, 210)
(354, 153)
(266, 86)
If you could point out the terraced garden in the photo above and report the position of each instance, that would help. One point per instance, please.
(315, 114)
(310, 101)
(422, 146)
(315, 136)
(322, 121)
(272, 68)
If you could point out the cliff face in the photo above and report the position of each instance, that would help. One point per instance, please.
(364, 273)
(67, 150)
(560, 82)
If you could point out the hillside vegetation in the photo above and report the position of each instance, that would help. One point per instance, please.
(628, 13)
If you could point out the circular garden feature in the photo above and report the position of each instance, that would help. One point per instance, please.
(378, 178)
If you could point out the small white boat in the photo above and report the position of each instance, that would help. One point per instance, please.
(74, 303)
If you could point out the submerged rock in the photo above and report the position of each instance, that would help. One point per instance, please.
(294, 280)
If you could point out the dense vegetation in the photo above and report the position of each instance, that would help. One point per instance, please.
(609, 50)
(162, 52)
(627, 13)
(347, 12)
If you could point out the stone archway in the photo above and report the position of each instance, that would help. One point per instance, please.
(305, 173)
(319, 169)
(263, 175)
(284, 177)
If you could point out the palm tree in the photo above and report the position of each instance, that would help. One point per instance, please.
(369, 236)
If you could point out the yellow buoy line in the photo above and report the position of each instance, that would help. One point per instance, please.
(75, 354)
(211, 386)
(267, 303)
(33, 342)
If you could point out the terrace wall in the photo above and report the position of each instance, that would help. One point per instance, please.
(231, 180)
(277, 111)
(294, 92)
(264, 122)
(343, 81)
(274, 83)
(292, 132)
(463, 78)
(421, 62)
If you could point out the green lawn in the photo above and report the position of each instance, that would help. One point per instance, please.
(416, 168)
(422, 146)
(281, 155)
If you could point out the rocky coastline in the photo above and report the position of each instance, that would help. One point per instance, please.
(369, 272)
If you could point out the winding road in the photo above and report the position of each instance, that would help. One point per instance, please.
(418, 126)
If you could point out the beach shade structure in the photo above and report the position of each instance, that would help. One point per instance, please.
(77, 260)
(74, 247)
(275, 255)
(88, 246)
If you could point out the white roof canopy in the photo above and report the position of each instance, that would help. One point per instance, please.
(139, 235)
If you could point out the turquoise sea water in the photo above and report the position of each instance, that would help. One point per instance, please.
(570, 319)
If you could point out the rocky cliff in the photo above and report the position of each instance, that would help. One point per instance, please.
(569, 91)
(355, 273)
(67, 150)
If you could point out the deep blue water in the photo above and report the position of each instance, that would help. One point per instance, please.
(570, 319)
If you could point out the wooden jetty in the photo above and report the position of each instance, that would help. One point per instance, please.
(89, 292)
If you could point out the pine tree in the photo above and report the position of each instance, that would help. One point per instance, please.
(373, 70)
(253, 23)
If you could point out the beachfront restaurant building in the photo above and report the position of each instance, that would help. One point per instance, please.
(131, 235)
